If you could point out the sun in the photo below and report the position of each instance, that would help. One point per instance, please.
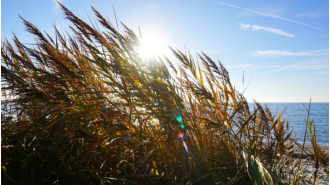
(151, 45)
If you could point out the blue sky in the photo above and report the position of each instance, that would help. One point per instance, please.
(282, 46)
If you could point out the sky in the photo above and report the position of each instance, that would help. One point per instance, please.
(282, 46)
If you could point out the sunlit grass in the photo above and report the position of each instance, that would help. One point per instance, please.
(87, 110)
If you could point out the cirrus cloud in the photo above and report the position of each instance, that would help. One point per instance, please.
(277, 53)
(269, 15)
(268, 29)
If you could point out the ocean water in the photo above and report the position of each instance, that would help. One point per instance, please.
(296, 112)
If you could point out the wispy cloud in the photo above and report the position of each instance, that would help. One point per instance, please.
(253, 67)
(277, 53)
(310, 79)
(313, 73)
(312, 14)
(313, 64)
(321, 65)
(316, 64)
(268, 15)
(246, 14)
(56, 8)
(271, 30)
(276, 11)
(151, 7)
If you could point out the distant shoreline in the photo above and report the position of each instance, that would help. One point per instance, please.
(323, 146)
(309, 146)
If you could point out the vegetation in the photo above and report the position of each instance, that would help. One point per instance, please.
(88, 109)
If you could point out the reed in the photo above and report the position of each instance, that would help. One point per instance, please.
(87, 109)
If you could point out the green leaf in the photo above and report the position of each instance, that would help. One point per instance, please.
(245, 156)
(267, 178)
(255, 171)
(253, 145)
(278, 178)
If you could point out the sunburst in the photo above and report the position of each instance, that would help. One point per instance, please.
(151, 46)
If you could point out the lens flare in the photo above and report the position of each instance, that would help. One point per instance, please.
(185, 146)
(177, 114)
(179, 118)
(181, 136)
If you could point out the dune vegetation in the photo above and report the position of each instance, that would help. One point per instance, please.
(86, 108)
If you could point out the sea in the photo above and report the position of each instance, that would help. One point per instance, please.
(295, 114)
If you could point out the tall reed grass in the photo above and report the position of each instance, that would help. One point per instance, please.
(88, 109)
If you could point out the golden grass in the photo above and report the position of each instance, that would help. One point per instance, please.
(87, 109)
